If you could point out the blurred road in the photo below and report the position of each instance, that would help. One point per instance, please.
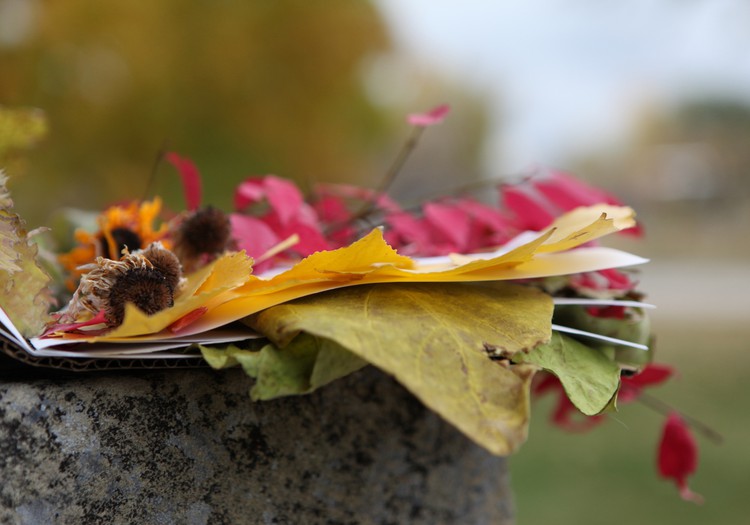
(691, 290)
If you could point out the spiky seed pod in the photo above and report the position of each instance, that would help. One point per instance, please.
(166, 262)
(201, 236)
(146, 288)
(109, 285)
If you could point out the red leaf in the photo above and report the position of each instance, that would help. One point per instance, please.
(358, 195)
(678, 456)
(617, 280)
(602, 280)
(311, 239)
(607, 312)
(187, 319)
(409, 234)
(432, 117)
(531, 210)
(252, 234)
(288, 215)
(250, 191)
(81, 327)
(191, 179)
(448, 223)
(332, 209)
(567, 192)
(653, 374)
(490, 227)
(284, 197)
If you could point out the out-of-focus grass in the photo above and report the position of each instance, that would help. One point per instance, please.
(608, 475)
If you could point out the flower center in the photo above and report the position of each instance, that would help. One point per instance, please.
(123, 237)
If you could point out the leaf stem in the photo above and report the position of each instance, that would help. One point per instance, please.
(395, 168)
(158, 159)
(665, 408)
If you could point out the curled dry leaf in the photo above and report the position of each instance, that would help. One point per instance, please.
(24, 293)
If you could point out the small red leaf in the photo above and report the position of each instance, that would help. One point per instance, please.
(567, 192)
(532, 211)
(284, 197)
(652, 375)
(678, 456)
(432, 117)
(187, 319)
(249, 191)
(191, 179)
(98, 319)
(449, 223)
(252, 234)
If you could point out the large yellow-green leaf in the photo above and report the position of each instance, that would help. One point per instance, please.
(589, 377)
(433, 339)
(23, 283)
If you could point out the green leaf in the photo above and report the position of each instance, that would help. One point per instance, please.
(227, 357)
(24, 292)
(590, 379)
(303, 366)
(433, 338)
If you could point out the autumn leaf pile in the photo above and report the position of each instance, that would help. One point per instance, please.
(345, 277)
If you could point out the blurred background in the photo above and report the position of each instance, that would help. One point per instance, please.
(649, 99)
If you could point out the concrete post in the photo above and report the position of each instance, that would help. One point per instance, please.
(190, 447)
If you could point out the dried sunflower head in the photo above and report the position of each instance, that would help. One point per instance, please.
(201, 236)
(147, 278)
(128, 226)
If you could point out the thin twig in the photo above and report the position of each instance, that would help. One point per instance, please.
(158, 159)
(666, 409)
(467, 187)
(406, 149)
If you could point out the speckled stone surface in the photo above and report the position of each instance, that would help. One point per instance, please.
(189, 447)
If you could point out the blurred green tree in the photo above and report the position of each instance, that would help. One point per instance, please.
(241, 87)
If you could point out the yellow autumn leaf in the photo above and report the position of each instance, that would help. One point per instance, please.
(371, 260)
(586, 224)
(374, 261)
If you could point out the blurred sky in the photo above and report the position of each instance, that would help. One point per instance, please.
(565, 75)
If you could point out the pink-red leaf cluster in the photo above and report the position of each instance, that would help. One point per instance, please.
(547, 194)
(269, 209)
